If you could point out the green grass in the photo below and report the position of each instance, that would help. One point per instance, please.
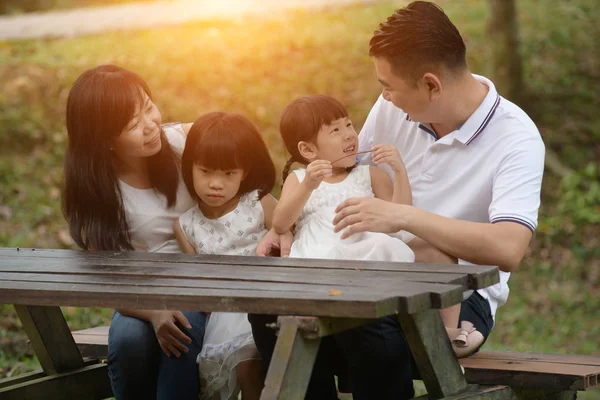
(256, 66)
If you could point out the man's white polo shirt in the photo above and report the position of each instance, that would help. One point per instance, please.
(489, 170)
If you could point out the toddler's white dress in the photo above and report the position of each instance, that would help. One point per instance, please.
(228, 336)
(315, 238)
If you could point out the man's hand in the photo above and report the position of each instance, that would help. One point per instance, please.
(170, 338)
(274, 244)
(367, 215)
(388, 154)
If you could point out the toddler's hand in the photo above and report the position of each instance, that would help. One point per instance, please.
(316, 171)
(388, 154)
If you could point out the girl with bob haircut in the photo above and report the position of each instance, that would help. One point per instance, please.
(228, 170)
(122, 192)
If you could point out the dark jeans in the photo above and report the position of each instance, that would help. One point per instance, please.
(139, 369)
(375, 358)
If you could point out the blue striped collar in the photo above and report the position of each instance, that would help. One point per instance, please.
(479, 120)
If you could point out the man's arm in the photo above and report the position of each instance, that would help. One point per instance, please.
(503, 243)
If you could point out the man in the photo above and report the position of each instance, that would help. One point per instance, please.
(474, 159)
(475, 164)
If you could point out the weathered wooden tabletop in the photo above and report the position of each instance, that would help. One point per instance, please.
(342, 294)
(232, 283)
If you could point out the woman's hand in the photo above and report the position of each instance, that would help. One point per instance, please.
(170, 338)
(368, 215)
(316, 171)
(273, 244)
(388, 154)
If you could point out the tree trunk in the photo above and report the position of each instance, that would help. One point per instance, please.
(503, 36)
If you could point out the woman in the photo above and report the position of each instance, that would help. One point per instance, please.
(123, 191)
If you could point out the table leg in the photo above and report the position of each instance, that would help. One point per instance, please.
(65, 374)
(50, 338)
(291, 364)
(433, 353)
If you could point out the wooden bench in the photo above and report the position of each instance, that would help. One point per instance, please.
(531, 375)
(534, 375)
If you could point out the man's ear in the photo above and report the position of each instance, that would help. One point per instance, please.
(307, 150)
(433, 85)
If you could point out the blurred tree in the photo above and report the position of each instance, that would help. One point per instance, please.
(503, 33)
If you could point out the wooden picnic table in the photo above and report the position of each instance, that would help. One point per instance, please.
(314, 298)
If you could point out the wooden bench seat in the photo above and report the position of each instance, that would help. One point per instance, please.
(518, 370)
(533, 370)
(92, 342)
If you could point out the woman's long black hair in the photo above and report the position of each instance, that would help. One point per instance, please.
(101, 103)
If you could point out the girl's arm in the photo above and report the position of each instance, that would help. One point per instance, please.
(402, 190)
(268, 203)
(389, 154)
(381, 184)
(185, 245)
(273, 241)
(294, 194)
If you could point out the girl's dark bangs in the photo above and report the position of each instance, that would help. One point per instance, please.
(329, 110)
(218, 150)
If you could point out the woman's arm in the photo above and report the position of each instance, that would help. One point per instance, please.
(185, 245)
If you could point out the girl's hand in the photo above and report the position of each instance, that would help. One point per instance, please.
(274, 244)
(388, 154)
(171, 339)
(316, 171)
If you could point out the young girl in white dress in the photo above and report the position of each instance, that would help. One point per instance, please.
(227, 168)
(318, 133)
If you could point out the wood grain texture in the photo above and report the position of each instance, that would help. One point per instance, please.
(291, 363)
(50, 338)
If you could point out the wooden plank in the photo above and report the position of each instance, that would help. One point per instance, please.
(479, 276)
(477, 392)
(227, 272)
(98, 331)
(532, 374)
(544, 394)
(344, 305)
(50, 338)
(223, 281)
(30, 376)
(92, 342)
(441, 296)
(291, 363)
(536, 357)
(89, 382)
(433, 353)
(405, 296)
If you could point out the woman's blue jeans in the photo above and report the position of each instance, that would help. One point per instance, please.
(139, 369)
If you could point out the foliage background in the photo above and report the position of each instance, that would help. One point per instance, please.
(256, 66)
